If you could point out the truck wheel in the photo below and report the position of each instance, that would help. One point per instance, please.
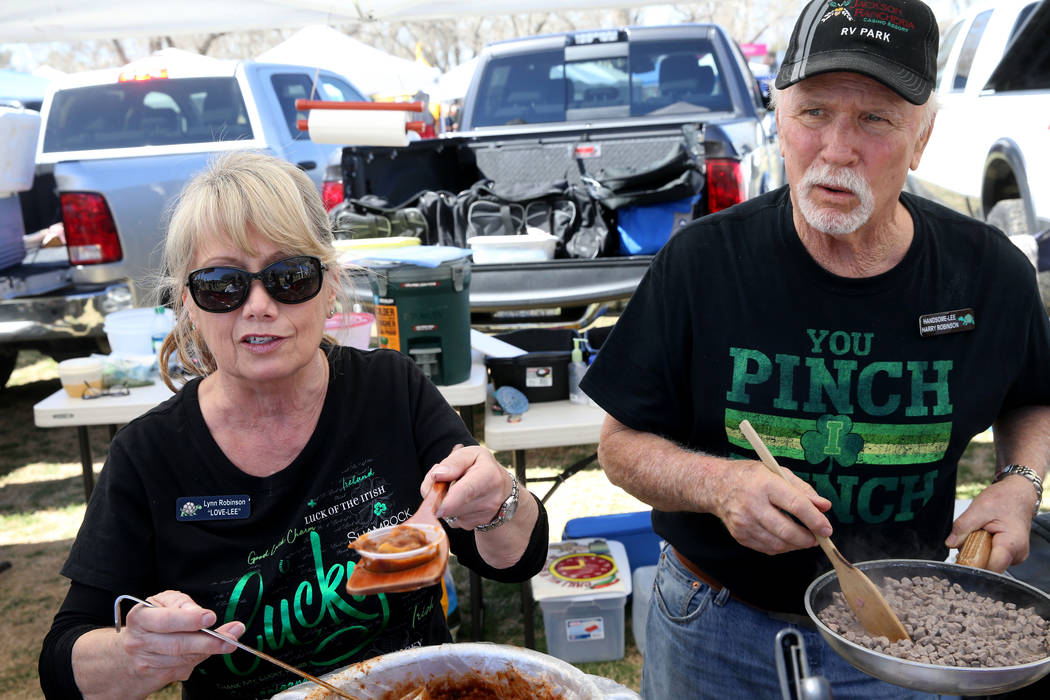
(8, 359)
(1008, 216)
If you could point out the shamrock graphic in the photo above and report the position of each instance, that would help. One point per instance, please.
(189, 509)
(832, 439)
(379, 508)
(966, 319)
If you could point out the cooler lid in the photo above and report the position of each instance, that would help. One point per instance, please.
(584, 568)
(423, 255)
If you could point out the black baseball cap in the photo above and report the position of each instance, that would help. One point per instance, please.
(892, 41)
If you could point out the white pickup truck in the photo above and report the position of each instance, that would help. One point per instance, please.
(115, 148)
(989, 155)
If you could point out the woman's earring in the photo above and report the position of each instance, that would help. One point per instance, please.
(331, 312)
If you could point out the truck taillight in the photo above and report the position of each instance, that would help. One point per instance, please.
(725, 184)
(91, 234)
(331, 193)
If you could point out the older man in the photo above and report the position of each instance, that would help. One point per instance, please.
(865, 333)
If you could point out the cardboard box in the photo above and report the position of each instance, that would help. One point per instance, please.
(582, 592)
(633, 530)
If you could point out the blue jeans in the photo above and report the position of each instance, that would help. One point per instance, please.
(701, 643)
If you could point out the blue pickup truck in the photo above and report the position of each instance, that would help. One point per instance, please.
(640, 128)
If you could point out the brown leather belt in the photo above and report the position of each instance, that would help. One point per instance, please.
(801, 620)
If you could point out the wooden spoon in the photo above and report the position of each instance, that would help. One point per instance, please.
(863, 597)
(975, 550)
(364, 581)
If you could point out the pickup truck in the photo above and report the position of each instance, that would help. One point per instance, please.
(115, 148)
(988, 153)
(586, 109)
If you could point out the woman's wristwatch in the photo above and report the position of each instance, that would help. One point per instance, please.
(1026, 472)
(505, 512)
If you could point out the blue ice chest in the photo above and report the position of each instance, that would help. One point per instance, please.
(645, 228)
(634, 530)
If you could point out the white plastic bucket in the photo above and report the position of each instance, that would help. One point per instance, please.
(130, 332)
(351, 329)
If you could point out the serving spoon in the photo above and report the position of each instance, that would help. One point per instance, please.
(234, 642)
(862, 595)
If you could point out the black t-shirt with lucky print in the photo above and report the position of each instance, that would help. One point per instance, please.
(170, 511)
(735, 320)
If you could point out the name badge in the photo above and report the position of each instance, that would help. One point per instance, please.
(946, 322)
(193, 508)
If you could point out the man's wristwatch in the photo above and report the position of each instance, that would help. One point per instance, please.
(1026, 472)
(505, 512)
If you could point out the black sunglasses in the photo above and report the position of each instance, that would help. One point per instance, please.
(289, 281)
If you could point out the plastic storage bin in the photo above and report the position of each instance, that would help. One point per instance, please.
(534, 246)
(542, 373)
(633, 530)
(582, 592)
(129, 332)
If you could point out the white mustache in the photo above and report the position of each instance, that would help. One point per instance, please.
(838, 178)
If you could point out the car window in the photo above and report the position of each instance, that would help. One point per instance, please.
(677, 76)
(650, 77)
(339, 90)
(146, 113)
(523, 89)
(1021, 17)
(969, 50)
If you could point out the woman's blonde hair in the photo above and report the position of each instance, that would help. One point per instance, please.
(240, 194)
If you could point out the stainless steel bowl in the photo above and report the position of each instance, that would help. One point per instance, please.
(945, 680)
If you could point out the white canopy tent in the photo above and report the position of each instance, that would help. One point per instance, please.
(454, 84)
(371, 70)
(71, 20)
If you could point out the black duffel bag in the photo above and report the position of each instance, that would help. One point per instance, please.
(426, 215)
(566, 212)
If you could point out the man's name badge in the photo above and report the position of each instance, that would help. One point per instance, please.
(192, 508)
(946, 322)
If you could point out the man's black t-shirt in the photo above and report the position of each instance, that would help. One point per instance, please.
(735, 320)
(172, 512)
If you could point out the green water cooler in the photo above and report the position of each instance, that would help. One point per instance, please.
(424, 312)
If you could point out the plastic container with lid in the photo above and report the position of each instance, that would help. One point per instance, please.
(131, 331)
(583, 591)
(79, 374)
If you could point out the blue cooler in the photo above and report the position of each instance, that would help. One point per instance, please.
(633, 530)
(645, 228)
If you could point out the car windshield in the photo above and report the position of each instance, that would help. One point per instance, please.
(650, 78)
(147, 113)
